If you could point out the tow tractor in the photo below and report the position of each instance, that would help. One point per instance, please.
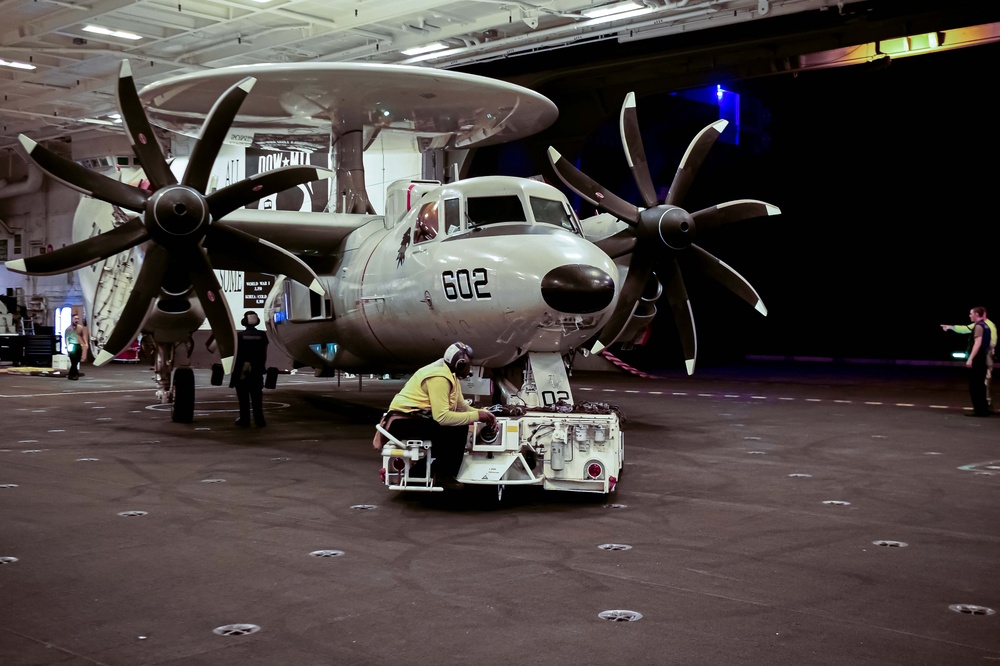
(562, 446)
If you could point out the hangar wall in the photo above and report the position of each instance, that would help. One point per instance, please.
(33, 222)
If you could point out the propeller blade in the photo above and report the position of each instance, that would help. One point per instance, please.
(237, 195)
(213, 300)
(692, 161)
(732, 211)
(634, 152)
(242, 249)
(619, 244)
(724, 274)
(85, 252)
(213, 133)
(680, 305)
(639, 270)
(582, 184)
(145, 289)
(82, 179)
(140, 133)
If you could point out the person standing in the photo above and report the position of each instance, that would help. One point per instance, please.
(75, 338)
(991, 351)
(431, 406)
(978, 362)
(249, 368)
(85, 343)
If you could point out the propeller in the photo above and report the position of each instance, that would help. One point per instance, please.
(660, 231)
(179, 221)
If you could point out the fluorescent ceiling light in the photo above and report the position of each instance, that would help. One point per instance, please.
(15, 64)
(111, 33)
(609, 10)
(436, 46)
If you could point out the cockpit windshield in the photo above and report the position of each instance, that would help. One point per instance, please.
(552, 212)
(491, 210)
(508, 208)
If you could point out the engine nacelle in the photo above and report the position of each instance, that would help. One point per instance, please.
(637, 328)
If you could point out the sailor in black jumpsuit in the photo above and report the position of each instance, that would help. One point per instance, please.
(248, 371)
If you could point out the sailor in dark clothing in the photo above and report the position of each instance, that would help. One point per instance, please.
(979, 361)
(248, 371)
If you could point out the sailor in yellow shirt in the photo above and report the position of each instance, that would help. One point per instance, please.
(432, 407)
(966, 330)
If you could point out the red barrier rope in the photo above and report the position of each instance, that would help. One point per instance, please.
(625, 366)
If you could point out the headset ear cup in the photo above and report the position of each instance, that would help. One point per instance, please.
(459, 358)
(243, 322)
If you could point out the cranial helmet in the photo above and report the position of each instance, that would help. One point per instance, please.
(250, 318)
(458, 357)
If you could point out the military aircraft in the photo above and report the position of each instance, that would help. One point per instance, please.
(501, 263)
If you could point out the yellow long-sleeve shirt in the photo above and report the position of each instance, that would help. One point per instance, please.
(436, 388)
(966, 329)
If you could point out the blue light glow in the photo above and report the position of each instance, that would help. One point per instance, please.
(326, 351)
(726, 101)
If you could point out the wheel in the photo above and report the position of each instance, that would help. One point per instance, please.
(183, 384)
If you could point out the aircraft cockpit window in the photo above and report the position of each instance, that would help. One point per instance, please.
(452, 216)
(493, 210)
(426, 227)
(553, 212)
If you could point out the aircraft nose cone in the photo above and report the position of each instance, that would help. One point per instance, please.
(578, 289)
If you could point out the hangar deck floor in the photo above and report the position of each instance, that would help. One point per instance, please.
(761, 519)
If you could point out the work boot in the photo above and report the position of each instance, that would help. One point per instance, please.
(450, 483)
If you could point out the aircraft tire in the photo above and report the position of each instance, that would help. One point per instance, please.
(183, 411)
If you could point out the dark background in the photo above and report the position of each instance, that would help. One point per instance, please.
(885, 175)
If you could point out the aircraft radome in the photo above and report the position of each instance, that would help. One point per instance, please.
(498, 262)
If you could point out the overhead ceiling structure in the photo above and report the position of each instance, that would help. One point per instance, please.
(60, 59)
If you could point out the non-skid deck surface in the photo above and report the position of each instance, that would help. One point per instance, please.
(765, 515)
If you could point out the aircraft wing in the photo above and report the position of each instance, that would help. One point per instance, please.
(301, 233)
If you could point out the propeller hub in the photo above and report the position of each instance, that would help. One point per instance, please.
(672, 225)
(177, 211)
